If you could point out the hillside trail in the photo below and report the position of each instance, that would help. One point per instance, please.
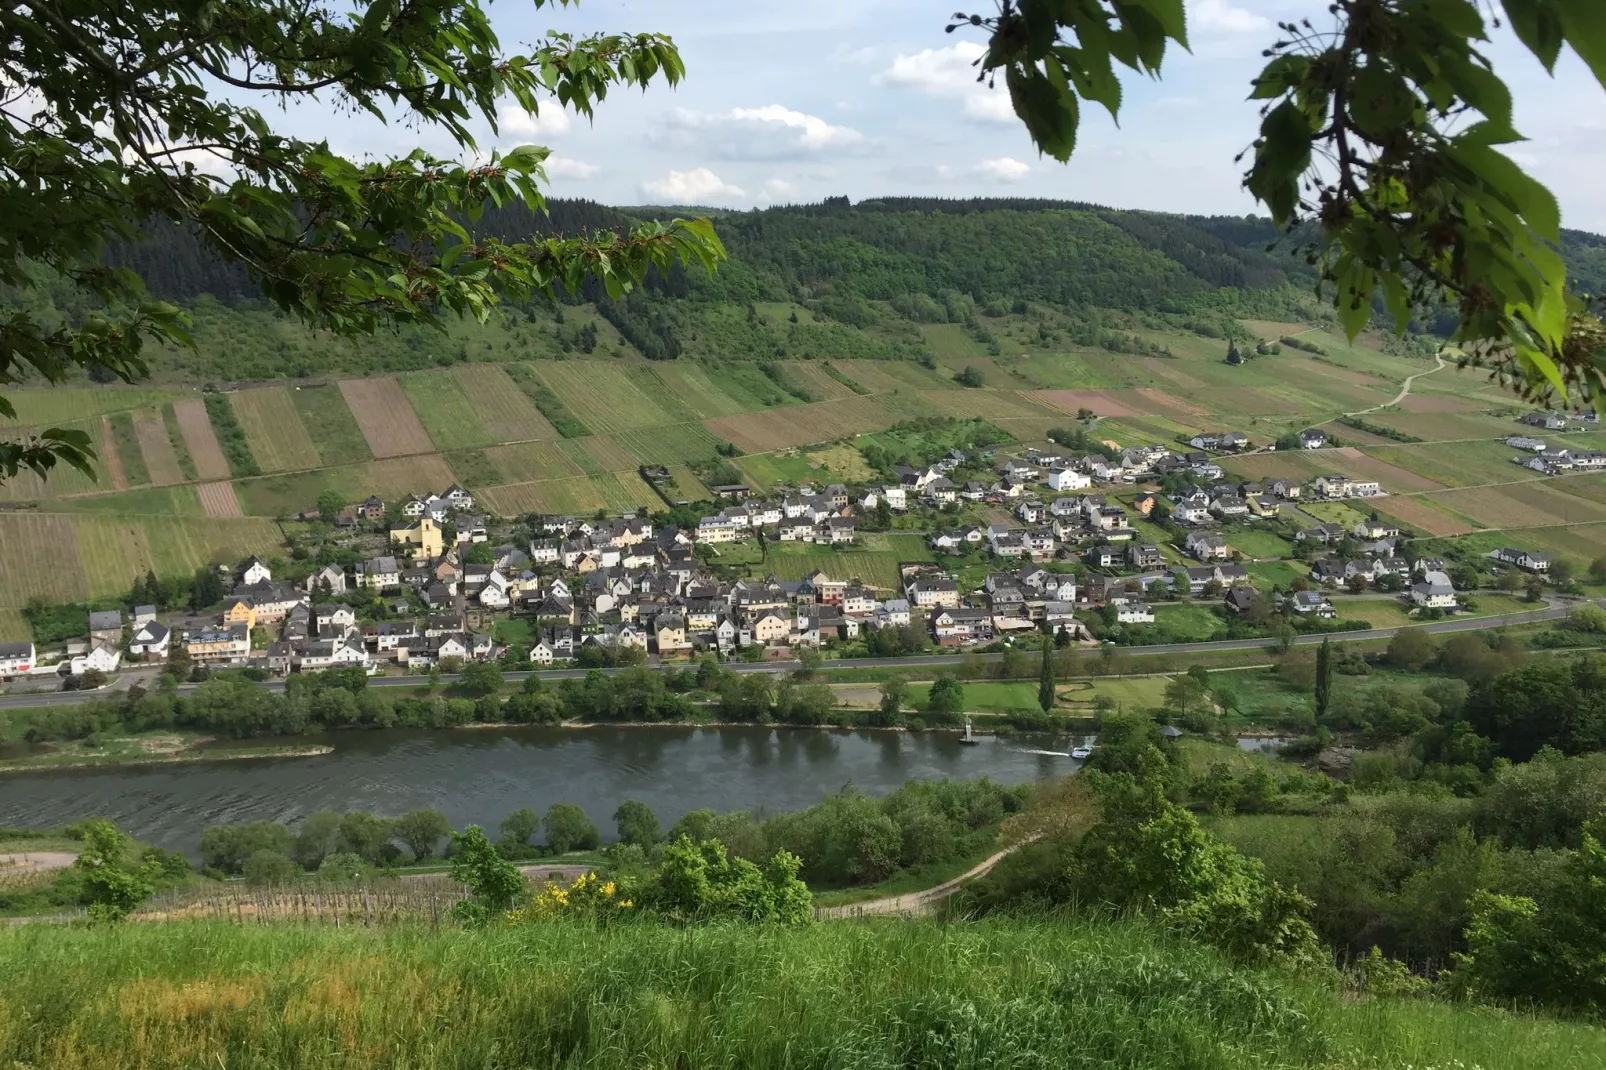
(1405, 388)
(920, 902)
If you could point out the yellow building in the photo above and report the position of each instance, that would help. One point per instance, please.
(240, 611)
(423, 536)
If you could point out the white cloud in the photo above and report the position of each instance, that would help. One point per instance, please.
(552, 120)
(700, 186)
(777, 189)
(1222, 17)
(1003, 168)
(769, 132)
(559, 168)
(950, 72)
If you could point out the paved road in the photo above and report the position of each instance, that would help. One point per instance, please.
(1554, 610)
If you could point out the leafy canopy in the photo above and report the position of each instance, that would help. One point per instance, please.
(1378, 147)
(111, 121)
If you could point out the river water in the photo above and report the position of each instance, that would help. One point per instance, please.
(479, 776)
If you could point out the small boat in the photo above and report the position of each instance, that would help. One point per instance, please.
(970, 735)
(1081, 753)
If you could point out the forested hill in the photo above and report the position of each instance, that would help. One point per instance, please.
(838, 279)
(1056, 252)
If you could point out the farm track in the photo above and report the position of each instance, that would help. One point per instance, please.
(1405, 388)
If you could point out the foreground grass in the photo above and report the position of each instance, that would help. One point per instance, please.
(1001, 993)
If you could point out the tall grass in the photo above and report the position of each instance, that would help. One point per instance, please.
(1008, 993)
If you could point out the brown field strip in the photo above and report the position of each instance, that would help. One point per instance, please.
(801, 425)
(1420, 515)
(386, 417)
(41, 560)
(157, 448)
(219, 500)
(273, 429)
(199, 439)
(398, 477)
(1392, 476)
(1100, 402)
(109, 461)
(1166, 404)
(1518, 506)
(508, 414)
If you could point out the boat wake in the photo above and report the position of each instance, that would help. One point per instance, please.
(1052, 753)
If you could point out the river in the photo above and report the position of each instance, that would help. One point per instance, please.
(478, 776)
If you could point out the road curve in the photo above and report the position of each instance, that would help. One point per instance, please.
(921, 902)
(1554, 610)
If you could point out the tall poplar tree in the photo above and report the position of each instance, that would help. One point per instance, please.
(1045, 681)
(1324, 676)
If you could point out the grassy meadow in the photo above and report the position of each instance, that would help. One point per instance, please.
(998, 993)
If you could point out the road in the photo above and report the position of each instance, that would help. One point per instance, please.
(1554, 610)
(1405, 390)
(921, 902)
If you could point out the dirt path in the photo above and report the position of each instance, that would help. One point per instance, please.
(1405, 389)
(921, 902)
(34, 861)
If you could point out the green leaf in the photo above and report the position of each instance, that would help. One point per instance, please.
(1050, 115)
(1536, 25)
(1584, 22)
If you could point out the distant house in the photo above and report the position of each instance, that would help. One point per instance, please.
(333, 575)
(1134, 613)
(150, 642)
(1239, 599)
(1144, 555)
(16, 658)
(106, 626)
(1527, 560)
(1312, 602)
(1068, 479)
(1312, 439)
(255, 572)
(1321, 533)
(1525, 442)
(1550, 421)
(1434, 591)
(1206, 547)
(379, 573)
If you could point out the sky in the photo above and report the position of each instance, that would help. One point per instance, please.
(789, 102)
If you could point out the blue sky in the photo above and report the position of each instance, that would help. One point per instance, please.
(789, 102)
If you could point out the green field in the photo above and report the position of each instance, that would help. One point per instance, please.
(1187, 623)
(128, 451)
(1259, 544)
(602, 396)
(767, 470)
(445, 410)
(687, 443)
(793, 561)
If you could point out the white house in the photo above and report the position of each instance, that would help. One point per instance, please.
(16, 658)
(150, 642)
(255, 572)
(1434, 592)
(1068, 479)
(105, 657)
(1134, 613)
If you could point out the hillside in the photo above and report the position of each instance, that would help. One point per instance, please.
(830, 321)
(909, 994)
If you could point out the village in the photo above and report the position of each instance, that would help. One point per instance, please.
(622, 590)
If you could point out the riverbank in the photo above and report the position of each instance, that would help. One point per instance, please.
(157, 748)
